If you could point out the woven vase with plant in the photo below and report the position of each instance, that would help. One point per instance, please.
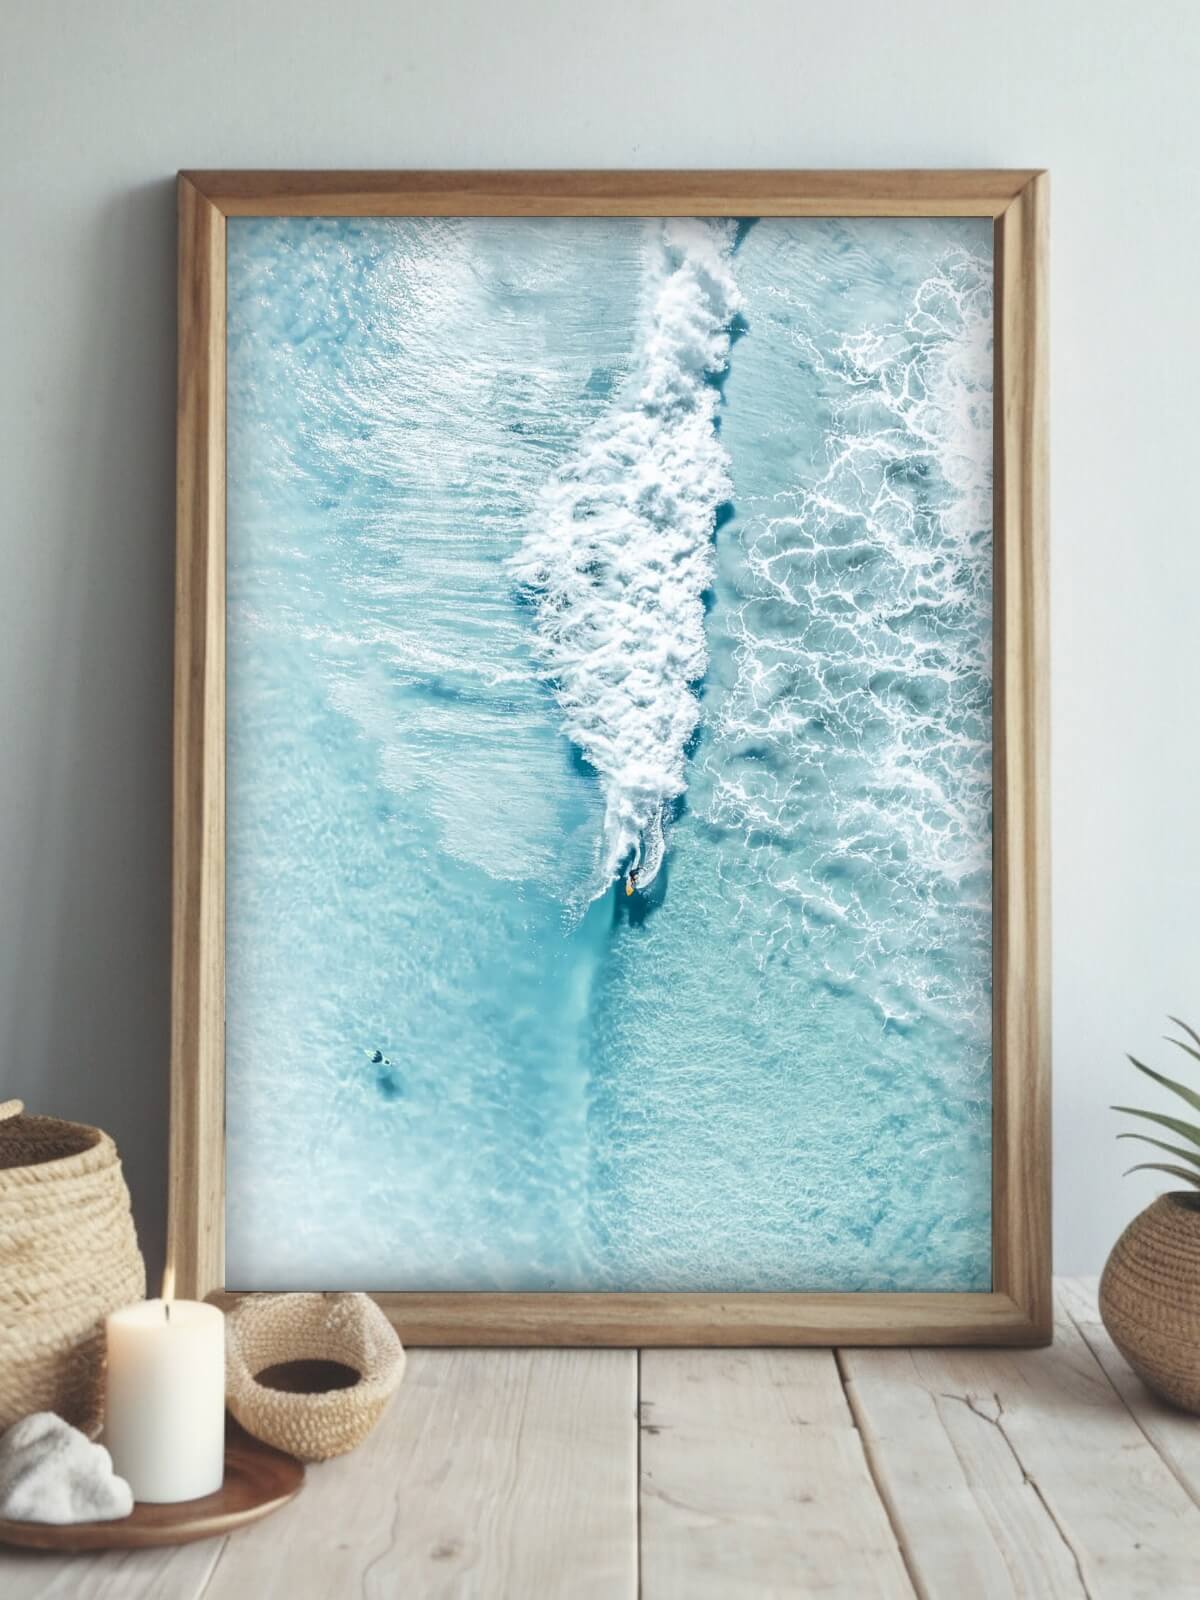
(1150, 1290)
(68, 1256)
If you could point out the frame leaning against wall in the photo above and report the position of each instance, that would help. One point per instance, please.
(1017, 1310)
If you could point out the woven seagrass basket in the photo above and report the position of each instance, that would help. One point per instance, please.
(68, 1256)
(1150, 1297)
(267, 1334)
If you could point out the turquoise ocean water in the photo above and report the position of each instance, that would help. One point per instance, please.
(558, 548)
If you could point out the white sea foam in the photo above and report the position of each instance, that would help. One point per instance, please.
(619, 554)
(861, 710)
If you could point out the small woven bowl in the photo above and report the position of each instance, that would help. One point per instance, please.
(349, 1330)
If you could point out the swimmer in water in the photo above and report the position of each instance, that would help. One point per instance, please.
(631, 882)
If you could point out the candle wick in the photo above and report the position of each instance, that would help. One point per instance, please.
(167, 1309)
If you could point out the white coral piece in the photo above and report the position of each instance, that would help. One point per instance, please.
(50, 1472)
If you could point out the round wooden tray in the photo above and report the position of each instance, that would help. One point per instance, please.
(258, 1480)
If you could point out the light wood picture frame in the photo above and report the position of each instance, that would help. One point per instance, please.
(1017, 1310)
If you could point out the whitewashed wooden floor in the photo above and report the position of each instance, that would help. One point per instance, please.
(535, 1475)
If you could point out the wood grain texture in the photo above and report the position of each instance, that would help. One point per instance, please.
(649, 1320)
(1025, 1473)
(969, 1520)
(1174, 1434)
(1075, 1498)
(1021, 849)
(181, 1574)
(195, 1207)
(763, 192)
(754, 1482)
(493, 1474)
(1019, 1311)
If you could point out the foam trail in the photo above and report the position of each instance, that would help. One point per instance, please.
(620, 553)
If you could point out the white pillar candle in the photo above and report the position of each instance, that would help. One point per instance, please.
(164, 1421)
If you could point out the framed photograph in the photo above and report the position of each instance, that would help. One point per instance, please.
(610, 872)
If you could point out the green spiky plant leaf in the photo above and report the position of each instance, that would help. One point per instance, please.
(1181, 1089)
(1172, 1149)
(1191, 1032)
(1176, 1125)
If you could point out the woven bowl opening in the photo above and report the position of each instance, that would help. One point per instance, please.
(34, 1141)
(308, 1377)
(310, 1373)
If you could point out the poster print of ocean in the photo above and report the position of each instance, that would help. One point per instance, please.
(609, 748)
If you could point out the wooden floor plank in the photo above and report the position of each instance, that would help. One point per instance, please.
(968, 1519)
(1075, 1498)
(495, 1473)
(1174, 1434)
(1043, 1473)
(180, 1574)
(754, 1483)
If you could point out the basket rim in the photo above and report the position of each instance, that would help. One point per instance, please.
(375, 1383)
(98, 1150)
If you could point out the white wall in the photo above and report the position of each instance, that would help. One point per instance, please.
(101, 102)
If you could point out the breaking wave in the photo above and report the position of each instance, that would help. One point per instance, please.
(620, 553)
